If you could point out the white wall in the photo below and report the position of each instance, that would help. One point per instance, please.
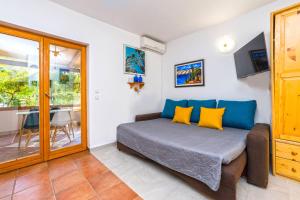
(117, 103)
(220, 75)
(9, 121)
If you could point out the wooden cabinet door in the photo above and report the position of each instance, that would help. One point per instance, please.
(287, 72)
(287, 41)
(290, 106)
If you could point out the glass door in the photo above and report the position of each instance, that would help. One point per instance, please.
(21, 111)
(65, 96)
(42, 98)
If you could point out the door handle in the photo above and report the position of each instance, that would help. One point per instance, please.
(47, 95)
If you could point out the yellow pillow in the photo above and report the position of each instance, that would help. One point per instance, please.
(211, 117)
(183, 115)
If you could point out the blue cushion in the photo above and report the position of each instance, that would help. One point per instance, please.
(197, 104)
(238, 114)
(170, 105)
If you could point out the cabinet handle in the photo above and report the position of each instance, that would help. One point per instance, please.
(294, 153)
(294, 170)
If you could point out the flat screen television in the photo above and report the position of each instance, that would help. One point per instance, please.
(252, 58)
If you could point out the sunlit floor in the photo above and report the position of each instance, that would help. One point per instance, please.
(79, 176)
(9, 144)
(152, 182)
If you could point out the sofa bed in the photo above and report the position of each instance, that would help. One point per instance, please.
(208, 159)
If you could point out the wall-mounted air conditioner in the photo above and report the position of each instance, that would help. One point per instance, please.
(152, 45)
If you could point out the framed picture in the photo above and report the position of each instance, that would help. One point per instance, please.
(134, 60)
(64, 76)
(189, 74)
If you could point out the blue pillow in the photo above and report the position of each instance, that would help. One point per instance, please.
(170, 105)
(238, 114)
(197, 104)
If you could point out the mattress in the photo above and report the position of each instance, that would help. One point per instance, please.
(194, 151)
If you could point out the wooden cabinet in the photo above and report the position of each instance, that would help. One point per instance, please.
(288, 151)
(288, 168)
(285, 60)
(290, 109)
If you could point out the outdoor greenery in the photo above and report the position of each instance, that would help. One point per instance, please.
(16, 88)
(66, 90)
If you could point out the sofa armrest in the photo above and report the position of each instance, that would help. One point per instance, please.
(258, 155)
(145, 117)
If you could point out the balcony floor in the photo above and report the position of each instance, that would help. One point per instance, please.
(9, 144)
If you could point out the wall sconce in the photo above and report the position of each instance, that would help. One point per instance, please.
(226, 44)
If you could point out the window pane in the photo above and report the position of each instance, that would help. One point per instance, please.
(19, 97)
(65, 64)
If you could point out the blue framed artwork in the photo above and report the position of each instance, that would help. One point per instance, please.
(64, 76)
(189, 74)
(134, 60)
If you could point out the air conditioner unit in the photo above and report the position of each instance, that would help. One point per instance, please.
(152, 45)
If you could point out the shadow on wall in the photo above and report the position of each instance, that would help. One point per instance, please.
(140, 105)
(260, 81)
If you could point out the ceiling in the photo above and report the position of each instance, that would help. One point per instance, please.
(164, 20)
(61, 56)
(16, 51)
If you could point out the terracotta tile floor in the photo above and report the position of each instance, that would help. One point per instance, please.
(76, 177)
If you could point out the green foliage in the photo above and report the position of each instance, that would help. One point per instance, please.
(65, 92)
(17, 90)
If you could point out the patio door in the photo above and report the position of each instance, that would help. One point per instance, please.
(64, 98)
(21, 99)
(42, 98)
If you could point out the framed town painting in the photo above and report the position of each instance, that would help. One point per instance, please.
(189, 74)
(134, 60)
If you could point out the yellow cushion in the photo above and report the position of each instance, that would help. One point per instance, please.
(183, 115)
(211, 117)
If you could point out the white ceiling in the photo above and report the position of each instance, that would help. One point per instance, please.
(162, 19)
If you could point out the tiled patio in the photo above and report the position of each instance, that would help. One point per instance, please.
(9, 144)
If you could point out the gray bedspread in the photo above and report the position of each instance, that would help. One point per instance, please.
(194, 151)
